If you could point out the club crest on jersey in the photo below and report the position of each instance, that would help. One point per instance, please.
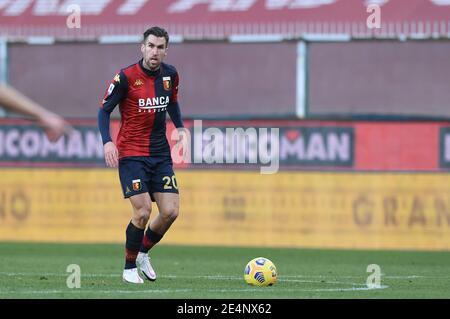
(117, 78)
(166, 83)
(137, 184)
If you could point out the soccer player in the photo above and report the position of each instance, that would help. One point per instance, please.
(144, 91)
(54, 125)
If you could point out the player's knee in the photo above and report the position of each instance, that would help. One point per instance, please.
(140, 220)
(170, 213)
(142, 213)
(143, 207)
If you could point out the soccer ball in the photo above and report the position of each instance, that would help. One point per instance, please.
(260, 272)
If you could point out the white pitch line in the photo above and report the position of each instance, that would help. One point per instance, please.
(78, 290)
(363, 277)
(177, 276)
(320, 282)
(288, 278)
(412, 277)
(351, 289)
(160, 291)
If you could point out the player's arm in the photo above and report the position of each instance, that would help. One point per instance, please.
(175, 115)
(54, 125)
(174, 108)
(115, 93)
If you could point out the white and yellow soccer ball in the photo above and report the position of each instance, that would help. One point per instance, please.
(260, 272)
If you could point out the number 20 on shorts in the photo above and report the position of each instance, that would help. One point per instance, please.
(170, 180)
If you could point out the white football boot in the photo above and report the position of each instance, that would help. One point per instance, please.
(143, 262)
(132, 276)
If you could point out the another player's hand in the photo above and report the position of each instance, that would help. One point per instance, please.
(111, 154)
(55, 126)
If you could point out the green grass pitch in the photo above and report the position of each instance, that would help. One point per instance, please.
(40, 271)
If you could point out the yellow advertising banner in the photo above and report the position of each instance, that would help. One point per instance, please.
(236, 208)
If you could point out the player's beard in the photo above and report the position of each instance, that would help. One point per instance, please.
(153, 65)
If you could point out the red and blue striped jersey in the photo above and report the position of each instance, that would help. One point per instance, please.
(143, 96)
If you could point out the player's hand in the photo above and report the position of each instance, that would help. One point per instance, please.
(182, 143)
(55, 126)
(111, 154)
(181, 135)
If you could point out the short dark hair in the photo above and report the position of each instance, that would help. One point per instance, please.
(157, 32)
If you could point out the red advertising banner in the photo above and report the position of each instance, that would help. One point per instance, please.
(216, 18)
(287, 145)
(398, 146)
(358, 145)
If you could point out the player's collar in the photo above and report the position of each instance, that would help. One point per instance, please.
(147, 71)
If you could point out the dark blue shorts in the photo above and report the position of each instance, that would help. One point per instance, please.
(144, 174)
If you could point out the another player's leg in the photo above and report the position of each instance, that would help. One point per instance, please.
(168, 206)
(141, 204)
